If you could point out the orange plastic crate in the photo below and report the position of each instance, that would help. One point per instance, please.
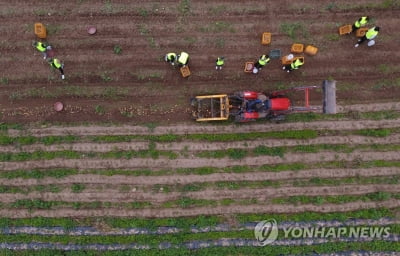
(185, 71)
(311, 50)
(361, 32)
(40, 30)
(266, 38)
(248, 67)
(285, 61)
(346, 29)
(297, 48)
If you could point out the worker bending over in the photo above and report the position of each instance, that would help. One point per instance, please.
(360, 23)
(295, 65)
(171, 58)
(55, 63)
(42, 47)
(183, 59)
(371, 34)
(262, 61)
(219, 63)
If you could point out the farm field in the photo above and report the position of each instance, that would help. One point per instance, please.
(123, 170)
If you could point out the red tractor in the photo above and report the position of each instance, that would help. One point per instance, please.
(249, 105)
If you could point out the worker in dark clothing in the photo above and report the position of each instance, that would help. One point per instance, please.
(360, 23)
(219, 63)
(262, 61)
(371, 34)
(55, 63)
(295, 65)
(171, 58)
(42, 47)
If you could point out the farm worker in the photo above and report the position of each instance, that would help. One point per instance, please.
(219, 63)
(55, 63)
(42, 47)
(183, 59)
(262, 61)
(371, 34)
(171, 58)
(295, 65)
(360, 22)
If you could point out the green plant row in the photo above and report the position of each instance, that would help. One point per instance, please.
(235, 153)
(290, 134)
(70, 154)
(312, 117)
(152, 240)
(198, 221)
(334, 247)
(64, 172)
(339, 199)
(232, 185)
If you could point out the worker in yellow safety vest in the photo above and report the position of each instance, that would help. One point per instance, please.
(171, 58)
(295, 65)
(55, 63)
(42, 47)
(360, 22)
(262, 61)
(183, 59)
(371, 34)
(219, 63)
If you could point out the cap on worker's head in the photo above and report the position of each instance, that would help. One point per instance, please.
(222, 57)
(376, 28)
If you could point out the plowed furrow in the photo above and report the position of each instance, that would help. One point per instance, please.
(196, 128)
(198, 162)
(259, 194)
(175, 212)
(186, 179)
(201, 146)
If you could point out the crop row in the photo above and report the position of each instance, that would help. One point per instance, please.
(92, 231)
(336, 248)
(233, 153)
(234, 247)
(290, 134)
(186, 223)
(178, 239)
(65, 172)
(200, 186)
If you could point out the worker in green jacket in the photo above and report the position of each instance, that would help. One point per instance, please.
(371, 34)
(171, 58)
(262, 61)
(295, 65)
(55, 63)
(42, 47)
(360, 22)
(219, 63)
(183, 59)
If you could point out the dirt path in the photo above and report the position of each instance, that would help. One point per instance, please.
(204, 128)
(201, 146)
(198, 162)
(176, 212)
(260, 194)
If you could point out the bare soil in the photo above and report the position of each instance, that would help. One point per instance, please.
(137, 86)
